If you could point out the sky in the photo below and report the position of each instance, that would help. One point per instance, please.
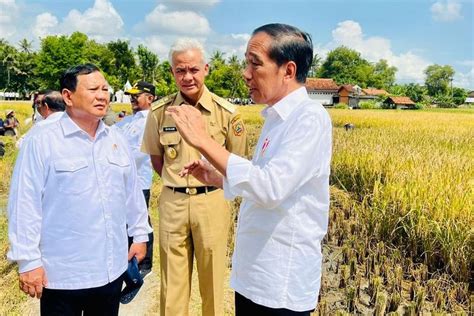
(409, 34)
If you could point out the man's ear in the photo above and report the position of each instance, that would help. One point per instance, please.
(67, 96)
(290, 70)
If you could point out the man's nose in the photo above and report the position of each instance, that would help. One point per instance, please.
(103, 95)
(187, 76)
(246, 73)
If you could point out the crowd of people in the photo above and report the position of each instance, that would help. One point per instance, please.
(80, 190)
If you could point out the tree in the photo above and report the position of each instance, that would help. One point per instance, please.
(459, 95)
(124, 65)
(58, 53)
(346, 66)
(148, 63)
(383, 76)
(437, 79)
(217, 60)
(164, 82)
(226, 79)
(25, 46)
(315, 64)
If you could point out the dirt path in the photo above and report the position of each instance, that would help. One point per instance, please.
(144, 304)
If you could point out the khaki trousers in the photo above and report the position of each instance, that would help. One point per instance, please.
(192, 225)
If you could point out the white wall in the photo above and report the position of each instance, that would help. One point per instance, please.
(324, 98)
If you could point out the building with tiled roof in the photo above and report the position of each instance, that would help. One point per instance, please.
(399, 103)
(374, 92)
(470, 98)
(322, 89)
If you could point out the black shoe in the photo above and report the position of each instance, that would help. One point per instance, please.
(145, 273)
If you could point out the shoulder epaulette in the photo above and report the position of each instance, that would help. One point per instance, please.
(165, 100)
(224, 103)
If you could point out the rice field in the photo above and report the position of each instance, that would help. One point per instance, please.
(401, 236)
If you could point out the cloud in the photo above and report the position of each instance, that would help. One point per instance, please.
(45, 24)
(349, 33)
(468, 63)
(192, 5)
(446, 11)
(230, 44)
(101, 22)
(163, 20)
(9, 14)
(158, 45)
(464, 80)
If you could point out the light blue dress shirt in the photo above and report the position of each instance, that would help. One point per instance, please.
(133, 127)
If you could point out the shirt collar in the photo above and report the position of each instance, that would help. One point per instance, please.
(287, 105)
(54, 115)
(140, 114)
(70, 127)
(205, 100)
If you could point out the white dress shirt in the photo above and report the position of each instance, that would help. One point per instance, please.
(71, 198)
(284, 213)
(53, 117)
(133, 127)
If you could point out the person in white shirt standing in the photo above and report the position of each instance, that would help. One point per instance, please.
(50, 107)
(276, 266)
(142, 95)
(73, 193)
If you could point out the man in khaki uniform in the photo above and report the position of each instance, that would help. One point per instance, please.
(194, 218)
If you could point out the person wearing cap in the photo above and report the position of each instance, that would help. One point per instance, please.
(142, 95)
(74, 199)
(11, 124)
(194, 218)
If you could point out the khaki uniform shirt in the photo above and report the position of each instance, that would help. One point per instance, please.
(162, 138)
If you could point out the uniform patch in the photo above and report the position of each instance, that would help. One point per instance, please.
(170, 129)
(235, 119)
(238, 128)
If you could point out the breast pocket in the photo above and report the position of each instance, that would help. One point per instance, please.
(117, 170)
(73, 175)
(217, 134)
(172, 149)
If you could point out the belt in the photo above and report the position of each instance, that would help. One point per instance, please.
(193, 191)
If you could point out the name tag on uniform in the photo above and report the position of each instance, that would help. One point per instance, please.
(170, 129)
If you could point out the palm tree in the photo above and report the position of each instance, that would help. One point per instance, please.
(25, 46)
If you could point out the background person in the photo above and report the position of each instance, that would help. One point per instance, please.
(73, 191)
(49, 107)
(142, 94)
(194, 218)
(11, 124)
(276, 266)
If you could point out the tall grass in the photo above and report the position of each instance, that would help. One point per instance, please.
(413, 174)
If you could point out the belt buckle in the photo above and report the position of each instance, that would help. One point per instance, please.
(191, 191)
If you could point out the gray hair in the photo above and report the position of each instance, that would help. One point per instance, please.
(185, 44)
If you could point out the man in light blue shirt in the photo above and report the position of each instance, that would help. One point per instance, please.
(276, 265)
(142, 95)
(74, 192)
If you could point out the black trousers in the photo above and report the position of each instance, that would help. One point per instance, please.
(98, 301)
(245, 307)
(147, 262)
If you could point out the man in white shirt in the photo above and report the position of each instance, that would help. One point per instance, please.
(74, 190)
(50, 107)
(142, 95)
(276, 267)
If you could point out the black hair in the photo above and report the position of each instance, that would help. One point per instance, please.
(55, 101)
(69, 78)
(289, 44)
